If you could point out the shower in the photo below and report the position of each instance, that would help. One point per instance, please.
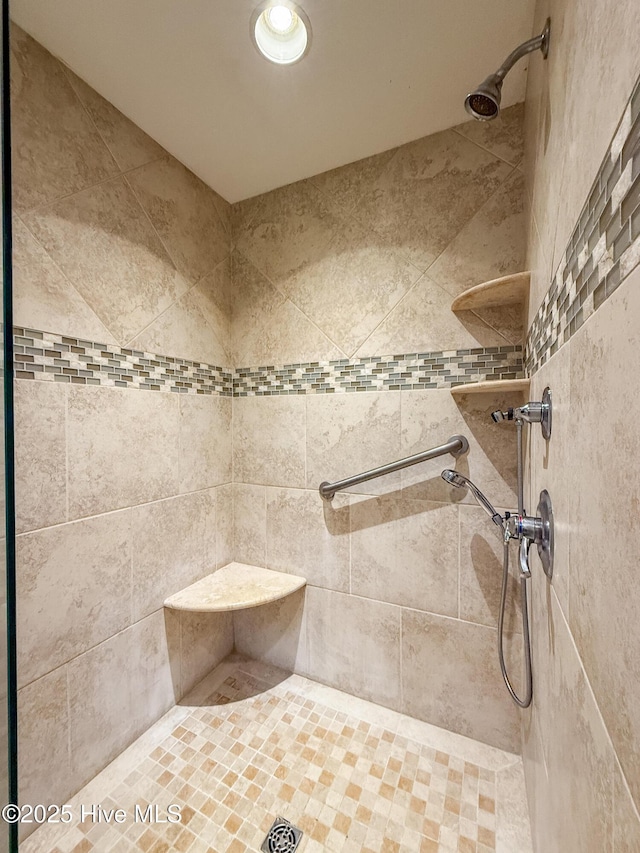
(518, 525)
(484, 102)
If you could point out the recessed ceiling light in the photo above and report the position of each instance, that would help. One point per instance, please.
(281, 31)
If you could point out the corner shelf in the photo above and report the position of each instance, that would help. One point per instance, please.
(508, 290)
(498, 386)
(236, 586)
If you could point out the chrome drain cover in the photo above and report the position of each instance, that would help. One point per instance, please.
(283, 837)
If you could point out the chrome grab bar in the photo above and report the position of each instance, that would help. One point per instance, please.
(456, 446)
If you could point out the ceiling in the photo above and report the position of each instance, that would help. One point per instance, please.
(378, 74)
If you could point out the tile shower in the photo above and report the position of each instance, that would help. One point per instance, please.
(189, 371)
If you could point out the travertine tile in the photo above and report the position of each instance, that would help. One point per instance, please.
(253, 742)
(351, 285)
(214, 295)
(183, 331)
(250, 524)
(45, 774)
(206, 639)
(309, 537)
(185, 213)
(481, 569)
(512, 815)
(430, 419)
(74, 590)
(287, 231)
(205, 441)
(345, 185)
(287, 336)
(550, 462)
(122, 448)
(351, 433)
(40, 454)
(424, 322)
(102, 241)
(587, 127)
(224, 525)
(502, 136)
(491, 245)
(451, 678)
(626, 822)
(56, 149)
(428, 191)
(275, 633)
(104, 720)
(129, 145)
(579, 754)
(354, 645)
(168, 550)
(603, 615)
(255, 303)
(405, 552)
(43, 298)
(273, 457)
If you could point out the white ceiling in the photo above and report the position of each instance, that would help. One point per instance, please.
(378, 74)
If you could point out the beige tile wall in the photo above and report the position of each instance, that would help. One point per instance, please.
(116, 241)
(581, 740)
(365, 259)
(403, 572)
(123, 496)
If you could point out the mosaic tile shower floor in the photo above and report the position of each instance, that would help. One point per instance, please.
(252, 743)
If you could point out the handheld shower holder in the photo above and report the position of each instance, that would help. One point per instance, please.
(532, 413)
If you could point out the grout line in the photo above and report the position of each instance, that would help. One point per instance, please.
(177, 496)
(71, 285)
(484, 147)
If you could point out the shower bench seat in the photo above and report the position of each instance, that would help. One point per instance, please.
(236, 586)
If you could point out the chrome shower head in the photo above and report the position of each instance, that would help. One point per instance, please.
(454, 478)
(484, 102)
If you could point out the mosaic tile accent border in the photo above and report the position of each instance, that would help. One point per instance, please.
(58, 358)
(604, 247)
(387, 373)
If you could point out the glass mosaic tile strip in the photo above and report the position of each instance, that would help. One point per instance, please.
(58, 358)
(603, 249)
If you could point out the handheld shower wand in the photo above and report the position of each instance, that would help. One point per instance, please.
(460, 481)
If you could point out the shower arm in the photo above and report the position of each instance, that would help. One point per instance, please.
(540, 42)
(456, 446)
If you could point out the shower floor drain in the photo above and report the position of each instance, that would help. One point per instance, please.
(283, 837)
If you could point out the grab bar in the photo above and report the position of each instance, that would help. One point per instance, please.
(456, 446)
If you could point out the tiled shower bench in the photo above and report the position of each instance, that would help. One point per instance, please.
(235, 587)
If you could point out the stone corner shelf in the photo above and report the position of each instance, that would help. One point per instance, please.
(497, 386)
(508, 290)
(235, 587)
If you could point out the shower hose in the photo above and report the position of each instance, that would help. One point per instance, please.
(523, 703)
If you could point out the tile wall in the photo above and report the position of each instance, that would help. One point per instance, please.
(344, 282)
(581, 740)
(123, 497)
(130, 272)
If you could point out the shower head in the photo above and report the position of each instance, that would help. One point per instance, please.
(460, 481)
(454, 478)
(484, 102)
